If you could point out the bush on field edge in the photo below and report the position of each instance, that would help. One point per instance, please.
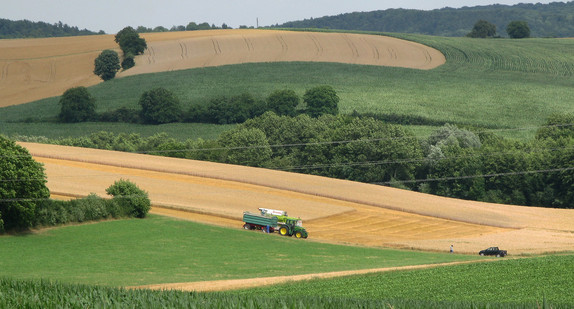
(128, 201)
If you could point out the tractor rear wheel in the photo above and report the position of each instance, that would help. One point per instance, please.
(283, 230)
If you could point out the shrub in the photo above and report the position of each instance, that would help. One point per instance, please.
(128, 62)
(129, 197)
(122, 114)
(159, 106)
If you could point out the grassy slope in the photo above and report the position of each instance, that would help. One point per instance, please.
(484, 83)
(161, 250)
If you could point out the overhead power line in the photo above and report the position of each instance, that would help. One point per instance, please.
(287, 145)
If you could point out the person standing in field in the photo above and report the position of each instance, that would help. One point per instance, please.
(451, 249)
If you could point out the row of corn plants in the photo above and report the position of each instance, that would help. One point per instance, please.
(548, 56)
(47, 294)
(520, 283)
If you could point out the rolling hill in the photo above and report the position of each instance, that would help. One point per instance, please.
(545, 20)
(392, 217)
(32, 69)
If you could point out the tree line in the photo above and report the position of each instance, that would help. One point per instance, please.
(545, 20)
(160, 106)
(191, 26)
(25, 199)
(516, 30)
(28, 29)
(453, 161)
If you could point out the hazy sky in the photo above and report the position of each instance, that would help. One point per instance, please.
(112, 15)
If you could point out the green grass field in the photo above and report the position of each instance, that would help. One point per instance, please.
(485, 83)
(161, 250)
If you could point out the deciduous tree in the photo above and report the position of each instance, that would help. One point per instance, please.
(77, 105)
(321, 100)
(107, 64)
(160, 106)
(130, 41)
(482, 29)
(283, 102)
(23, 185)
(518, 30)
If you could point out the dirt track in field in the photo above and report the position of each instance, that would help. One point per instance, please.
(33, 69)
(223, 285)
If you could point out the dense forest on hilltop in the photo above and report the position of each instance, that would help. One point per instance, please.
(28, 29)
(545, 20)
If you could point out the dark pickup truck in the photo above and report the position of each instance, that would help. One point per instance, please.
(493, 251)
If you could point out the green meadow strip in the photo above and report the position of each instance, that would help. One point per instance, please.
(163, 250)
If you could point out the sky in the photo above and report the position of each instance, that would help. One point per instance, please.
(112, 15)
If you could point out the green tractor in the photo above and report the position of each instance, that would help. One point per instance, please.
(291, 227)
(270, 220)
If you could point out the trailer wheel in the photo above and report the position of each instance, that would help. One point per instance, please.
(283, 230)
(298, 235)
(247, 226)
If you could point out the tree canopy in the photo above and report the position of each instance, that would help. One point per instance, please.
(130, 41)
(482, 29)
(518, 30)
(546, 20)
(77, 105)
(160, 106)
(321, 100)
(28, 29)
(107, 64)
(23, 185)
(283, 102)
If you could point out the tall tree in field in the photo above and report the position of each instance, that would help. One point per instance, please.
(107, 64)
(130, 41)
(482, 29)
(23, 185)
(77, 105)
(518, 30)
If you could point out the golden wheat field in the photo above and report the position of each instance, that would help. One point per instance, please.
(333, 210)
(32, 69)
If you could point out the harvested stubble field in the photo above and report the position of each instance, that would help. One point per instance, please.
(333, 210)
(33, 69)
